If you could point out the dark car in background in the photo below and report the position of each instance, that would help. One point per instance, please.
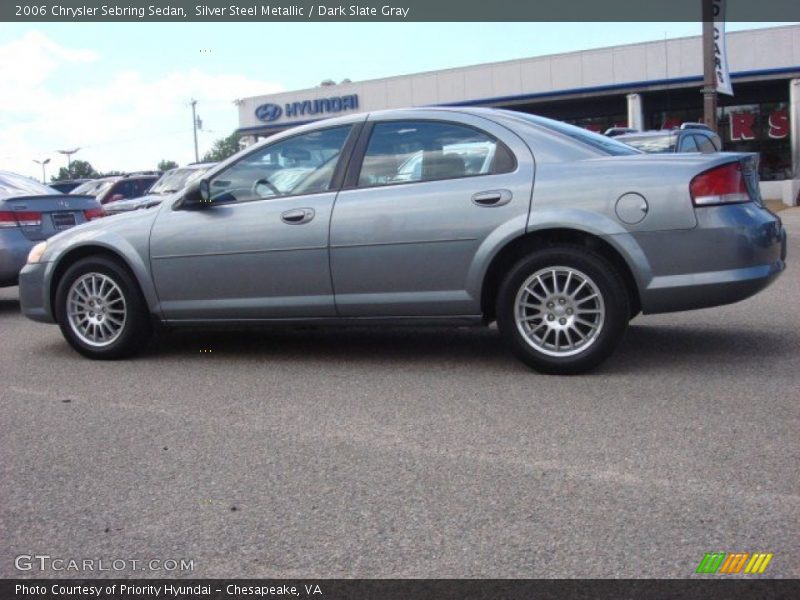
(691, 137)
(31, 212)
(118, 187)
(65, 186)
(170, 182)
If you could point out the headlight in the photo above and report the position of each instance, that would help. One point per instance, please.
(35, 255)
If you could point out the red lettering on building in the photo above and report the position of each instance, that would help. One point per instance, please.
(779, 124)
(742, 126)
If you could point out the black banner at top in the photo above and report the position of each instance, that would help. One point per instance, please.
(388, 10)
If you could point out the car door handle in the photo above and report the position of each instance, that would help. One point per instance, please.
(297, 216)
(492, 198)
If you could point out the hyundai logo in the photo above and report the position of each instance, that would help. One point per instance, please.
(268, 112)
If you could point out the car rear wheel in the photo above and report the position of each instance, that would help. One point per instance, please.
(101, 311)
(563, 310)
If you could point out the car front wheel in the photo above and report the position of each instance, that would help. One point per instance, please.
(101, 311)
(563, 310)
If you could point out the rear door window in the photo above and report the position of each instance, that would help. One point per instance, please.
(705, 144)
(412, 151)
(688, 144)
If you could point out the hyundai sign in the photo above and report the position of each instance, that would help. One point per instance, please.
(307, 108)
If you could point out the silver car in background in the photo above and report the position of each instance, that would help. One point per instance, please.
(170, 182)
(459, 216)
(31, 212)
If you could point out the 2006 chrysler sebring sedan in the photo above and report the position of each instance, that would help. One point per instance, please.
(421, 215)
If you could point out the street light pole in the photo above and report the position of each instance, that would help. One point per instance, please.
(43, 163)
(709, 70)
(69, 154)
(194, 128)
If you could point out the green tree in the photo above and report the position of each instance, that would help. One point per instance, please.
(223, 148)
(81, 169)
(166, 165)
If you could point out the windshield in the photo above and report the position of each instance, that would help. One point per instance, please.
(652, 144)
(16, 185)
(93, 188)
(176, 179)
(595, 140)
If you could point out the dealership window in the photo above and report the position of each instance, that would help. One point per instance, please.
(762, 128)
(302, 164)
(408, 151)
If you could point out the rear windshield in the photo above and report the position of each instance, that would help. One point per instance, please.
(652, 144)
(93, 188)
(605, 144)
(16, 185)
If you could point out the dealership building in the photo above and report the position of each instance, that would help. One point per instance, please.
(652, 85)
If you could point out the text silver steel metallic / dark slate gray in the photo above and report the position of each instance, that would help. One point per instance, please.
(462, 216)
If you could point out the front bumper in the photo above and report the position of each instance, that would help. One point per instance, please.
(734, 252)
(33, 296)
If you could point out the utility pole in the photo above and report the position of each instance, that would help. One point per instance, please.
(69, 154)
(43, 163)
(194, 128)
(709, 67)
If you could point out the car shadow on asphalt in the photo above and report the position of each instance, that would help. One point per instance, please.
(9, 305)
(477, 345)
(676, 346)
(651, 347)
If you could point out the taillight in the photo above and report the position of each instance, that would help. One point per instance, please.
(20, 218)
(721, 185)
(7, 219)
(94, 213)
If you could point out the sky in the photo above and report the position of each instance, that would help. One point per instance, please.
(121, 91)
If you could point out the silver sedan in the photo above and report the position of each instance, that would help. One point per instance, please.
(459, 216)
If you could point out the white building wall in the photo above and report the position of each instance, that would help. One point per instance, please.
(773, 48)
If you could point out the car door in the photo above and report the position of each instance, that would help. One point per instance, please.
(259, 249)
(421, 197)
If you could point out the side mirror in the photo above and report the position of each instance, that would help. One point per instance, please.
(116, 198)
(197, 195)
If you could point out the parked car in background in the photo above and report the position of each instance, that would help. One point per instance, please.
(118, 187)
(691, 137)
(616, 131)
(170, 182)
(65, 186)
(31, 212)
(355, 234)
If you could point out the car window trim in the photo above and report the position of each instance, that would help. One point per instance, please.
(357, 160)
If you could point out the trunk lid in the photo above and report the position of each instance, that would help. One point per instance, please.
(40, 217)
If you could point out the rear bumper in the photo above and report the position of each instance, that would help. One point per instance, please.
(733, 253)
(14, 249)
(33, 298)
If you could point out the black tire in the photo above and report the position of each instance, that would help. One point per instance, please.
(610, 287)
(137, 328)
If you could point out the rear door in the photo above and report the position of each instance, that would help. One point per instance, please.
(423, 193)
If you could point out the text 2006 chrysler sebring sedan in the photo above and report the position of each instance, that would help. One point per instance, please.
(421, 215)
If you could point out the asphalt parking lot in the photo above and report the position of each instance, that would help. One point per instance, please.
(408, 453)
